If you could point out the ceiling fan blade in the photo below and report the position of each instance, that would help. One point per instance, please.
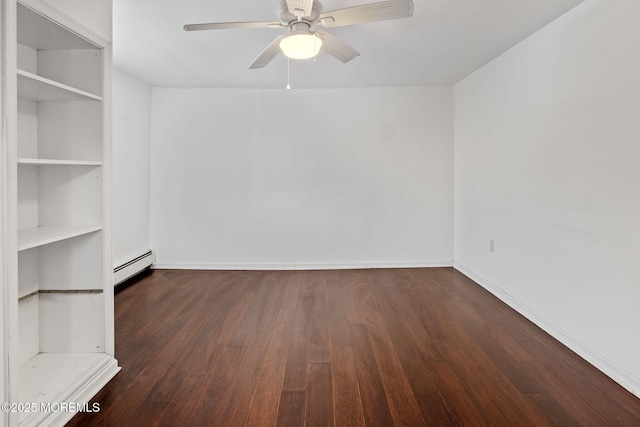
(300, 8)
(231, 25)
(267, 54)
(371, 12)
(336, 47)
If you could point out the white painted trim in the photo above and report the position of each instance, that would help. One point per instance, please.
(30, 161)
(601, 362)
(4, 332)
(10, 202)
(82, 390)
(302, 266)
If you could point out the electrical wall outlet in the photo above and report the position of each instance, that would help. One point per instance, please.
(492, 245)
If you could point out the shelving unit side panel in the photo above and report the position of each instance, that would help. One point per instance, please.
(61, 138)
(69, 195)
(107, 56)
(28, 328)
(27, 197)
(28, 272)
(72, 264)
(27, 58)
(71, 323)
(27, 128)
(78, 68)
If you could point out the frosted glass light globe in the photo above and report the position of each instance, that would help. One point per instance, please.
(301, 46)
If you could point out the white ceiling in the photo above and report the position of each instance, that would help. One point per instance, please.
(443, 42)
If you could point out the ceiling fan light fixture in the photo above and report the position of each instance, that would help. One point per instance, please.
(300, 46)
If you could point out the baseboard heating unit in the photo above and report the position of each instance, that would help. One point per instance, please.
(133, 267)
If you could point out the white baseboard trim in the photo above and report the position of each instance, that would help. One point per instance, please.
(601, 362)
(302, 266)
(129, 269)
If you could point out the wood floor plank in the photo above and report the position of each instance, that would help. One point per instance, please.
(381, 347)
(502, 359)
(291, 290)
(149, 414)
(212, 388)
(310, 340)
(497, 325)
(594, 378)
(553, 412)
(187, 403)
(167, 385)
(402, 403)
(348, 282)
(493, 391)
(405, 331)
(138, 388)
(363, 297)
(594, 397)
(240, 331)
(292, 408)
(313, 303)
(409, 310)
(564, 397)
(189, 328)
(274, 295)
(463, 407)
(199, 353)
(265, 401)
(232, 408)
(347, 403)
(336, 312)
(298, 355)
(374, 400)
(319, 406)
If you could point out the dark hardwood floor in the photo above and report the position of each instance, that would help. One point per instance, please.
(349, 348)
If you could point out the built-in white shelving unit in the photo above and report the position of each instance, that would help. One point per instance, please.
(61, 305)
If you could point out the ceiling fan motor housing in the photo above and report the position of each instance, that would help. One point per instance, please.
(288, 18)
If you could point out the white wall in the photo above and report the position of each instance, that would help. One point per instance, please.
(245, 178)
(131, 162)
(547, 155)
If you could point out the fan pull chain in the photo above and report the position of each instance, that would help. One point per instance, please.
(288, 73)
(315, 39)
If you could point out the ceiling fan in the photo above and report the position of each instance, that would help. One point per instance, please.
(307, 23)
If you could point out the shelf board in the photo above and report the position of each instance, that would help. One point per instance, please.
(57, 377)
(41, 33)
(36, 88)
(58, 291)
(28, 295)
(31, 161)
(37, 236)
